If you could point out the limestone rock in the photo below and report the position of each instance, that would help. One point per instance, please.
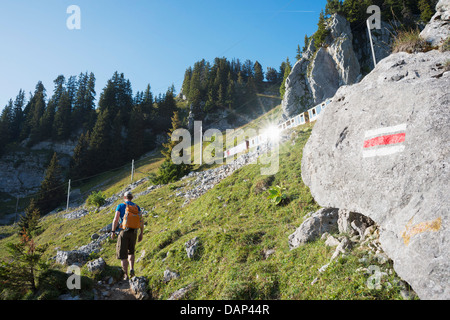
(69, 258)
(96, 265)
(138, 286)
(318, 75)
(438, 29)
(191, 246)
(181, 293)
(381, 148)
(170, 275)
(324, 220)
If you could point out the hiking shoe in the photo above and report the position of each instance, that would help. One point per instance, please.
(131, 273)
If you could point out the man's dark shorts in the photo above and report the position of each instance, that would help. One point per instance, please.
(126, 243)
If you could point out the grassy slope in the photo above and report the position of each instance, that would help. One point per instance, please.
(235, 224)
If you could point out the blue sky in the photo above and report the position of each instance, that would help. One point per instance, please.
(151, 42)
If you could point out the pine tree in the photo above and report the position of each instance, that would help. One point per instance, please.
(23, 273)
(62, 125)
(287, 71)
(80, 165)
(170, 172)
(51, 192)
(28, 223)
(271, 75)
(426, 10)
(299, 53)
(18, 116)
(101, 145)
(89, 104)
(322, 32)
(6, 121)
(306, 43)
(147, 107)
(47, 120)
(258, 75)
(35, 112)
(333, 6)
(135, 138)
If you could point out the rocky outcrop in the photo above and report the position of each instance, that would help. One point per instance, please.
(24, 170)
(438, 29)
(381, 149)
(318, 75)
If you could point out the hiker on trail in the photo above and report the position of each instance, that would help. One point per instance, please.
(127, 220)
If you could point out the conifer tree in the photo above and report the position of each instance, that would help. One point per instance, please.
(322, 32)
(51, 192)
(62, 125)
(170, 172)
(101, 145)
(18, 116)
(23, 273)
(28, 223)
(271, 75)
(6, 121)
(306, 43)
(135, 138)
(299, 53)
(258, 75)
(47, 120)
(147, 107)
(80, 165)
(287, 71)
(426, 10)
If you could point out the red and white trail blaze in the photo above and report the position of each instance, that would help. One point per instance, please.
(384, 141)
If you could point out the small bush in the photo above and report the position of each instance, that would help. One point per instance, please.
(446, 45)
(276, 195)
(96, 199)
(410, 42)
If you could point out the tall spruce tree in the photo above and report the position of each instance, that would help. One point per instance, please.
(62, 125)
(80, 165)
(170, 172)
(6, 129)
(287, 71)
(52, 192)
(101, 145)
(18, 116)
(322, 32)
(258, 75)
(28, 223)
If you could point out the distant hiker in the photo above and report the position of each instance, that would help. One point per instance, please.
(128, 220)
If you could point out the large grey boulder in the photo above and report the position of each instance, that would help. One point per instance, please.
(381, 149)
(438, 29)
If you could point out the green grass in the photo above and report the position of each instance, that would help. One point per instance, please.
(236, 224)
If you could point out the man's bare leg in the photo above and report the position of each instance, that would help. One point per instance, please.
(124, 263)
(131, 262)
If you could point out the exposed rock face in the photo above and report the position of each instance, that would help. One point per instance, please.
(316, 77)
(439, 27)
(381, 148)
(23, 171)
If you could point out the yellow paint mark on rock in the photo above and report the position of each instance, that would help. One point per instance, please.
(427, 226)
